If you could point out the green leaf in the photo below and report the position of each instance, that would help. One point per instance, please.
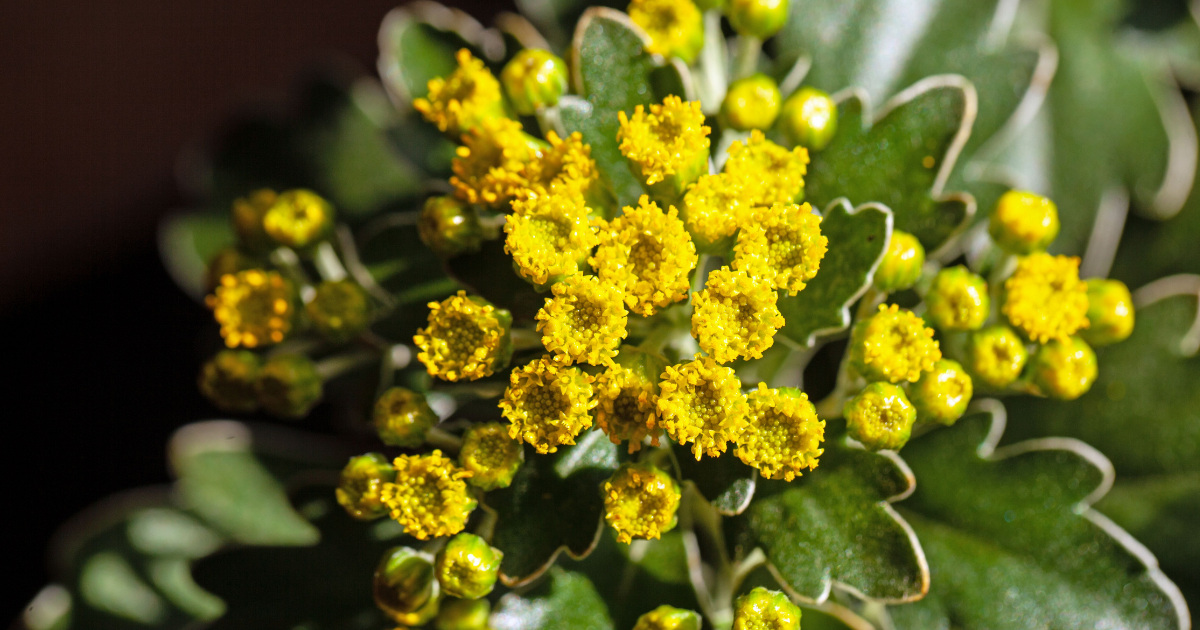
(836, 525)
(489, 272)
(566, 601)
(724, 481)
(1012, 540)
(858, 238)
(553, 505)
(417, 43)
(901, 156)
(187, 241)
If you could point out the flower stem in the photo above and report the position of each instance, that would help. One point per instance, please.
(746, 59)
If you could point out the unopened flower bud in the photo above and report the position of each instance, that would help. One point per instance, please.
(751, 103)
(1110, 312)
(675, 27)
(809, 118)
(880, 416)
(227, 380)
(405, 588)
(958, 300)
(1023, 222)
(450, 227)
(996, 355)
(340, 309)
(534, 78)
(360, 489)
(1063, 369)
(761, 609)
(403, 417)
(641, 501)
(669, 618)
(491, 456)
(247, 215)
(298, 218)
(757, 18)
(942, 394)
(901, 265)
(467, 566)
(288, 386)
(464, 614)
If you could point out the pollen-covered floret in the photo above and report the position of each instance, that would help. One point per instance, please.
(402, 417)
(298, 218)
(669, 618)
(549, 236)
(958, 300)
(461, 101)
(467, 338)
(627, 397)
(996, 355)
(467, 566)
(490, 168)
(491, 455)
(772, 173)
(675, 27)
(701, 403)
(254, 308)
(880, 416)
(566, 168)
(1045, 298)
(783, 244)
(893, 345)
(648, 254)
(761, 609)
(360, 489)
(735, 316)
(640, 501)
(547, 404)
(713, 209)
(1023, 222)
(942, 394)
(1063, 369)
(429, 497)
(669, 142)
(1110, 312)
(584, 321)
(783, 435)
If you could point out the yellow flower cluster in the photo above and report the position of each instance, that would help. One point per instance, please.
(461, 101)
(772, 173)
(735, 316)
(640, 501)
(714, 208)
(668, 141)
(254, 308)
(466, 338)
(783, 243)
(429, 497)
(701, 403)
(584, 321)
(549, 236)
(490, 455)
(489, 169)
(627, 400)
(783, 436)
(893, 345)
(1045, 297)
(547, 404)
(648, 254)
(565, 168)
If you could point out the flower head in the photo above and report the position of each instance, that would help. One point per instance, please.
(549, 236)
(1045, 297)
(783, 244)
(253, 307)
(669, 618)
(467, 566)
(463, 100)
(648, 254)
(783, 435)
(566, 168)
(751, 103)
(1110, 312)
(893, 345)
(403, 417)
(772, 173)
(713, 209)
(735, 316)
(1063, 369)
(288, 386)
(761, 609)
(584, 321)
(627, 398)
(360, 489)
(467, 338)
(901, 264)
(701, 403)
(547, 404)
(958, 300)
(534, 78)
(880, 417)
(942, 394)
(298, 218)
(996, 355)
(227, 380)
(339, 309)
(429, 497)
(668, 144)
(640, 501)
(675, 27)
(1023, 222)
(489, 168)
(490, 455)
(809, 118)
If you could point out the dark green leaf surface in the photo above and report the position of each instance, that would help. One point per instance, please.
(857, 240)
(187, 241)
(565, 601)
(724, 481)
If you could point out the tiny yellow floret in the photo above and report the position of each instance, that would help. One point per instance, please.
(566, 168)
(675, 27)
(360, 489)
(1045, 298)
(701, 403)
(490, 455)
(640, 501)
(762, 609)
(893, 345)
(735, 316)
(783, 244)
(648, 254)
(463, 100)
(627, 397)
(942, 394)
(1110, 312)
(298, 218)
(784, 435)
(1023, 222)
(429, 497)
(667, 145)
(713, 209)
(548, 404)
(254, 308)
(996, 355)
(880, 416)
(489, 169)
(772, 173)
(1063, 369)
(584, 321)
(467, 338)
(549, 236)
(958, 300)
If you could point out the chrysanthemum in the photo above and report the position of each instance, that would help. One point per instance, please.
(735, 316)
(584, 321)
(772, 173)
(668, 144)
(783, 435)
(627, 398)
(491, 455)
(713, 209)
(254, 308)
(429, 497)
(648, 254)
(701, 403)
(489, 169)
(549, 236)
(640, 501)
(675, 27)
(547, 404)
(461, 101)
(783, 244)
(893, 345)
(1045, 297)
(467, 338)
(566, 167)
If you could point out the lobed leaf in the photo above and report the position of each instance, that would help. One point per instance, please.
(566, 601)
(723, 481)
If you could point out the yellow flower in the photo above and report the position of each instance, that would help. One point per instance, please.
(772, 173)
(467, 566)
(1063, 369)
(1045, 297)
(491, 456)
(489, 169)
(648, 254)
(640, 501)
(227, 380)
(566, 167)
(782, 244)
(461, 101)
(549, 236)
(735, 316)
(702, 403)
(809, 118)
(534, 78)
(783, 436)
(627, 397)
(893, 345)
(298, 218)
(751, 103)
(547, 404)
(667, 147)
(996, 355)
(429, 497)
(584, 321)
(1023, 222)
(467, 338)
(360, 488)
(880, 417)
(254, 308)
(339, 310)
(713, 209)
(675, 27)
(761, 609)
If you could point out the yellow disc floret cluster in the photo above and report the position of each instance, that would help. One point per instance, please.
(254, 308)
(1045, 298)
(714, 207)
(547, 404)
(490, 455)
(772, 174)
(429, 496)
(549, 236)
(735, 316)
(783, 244)
(675, 27)
(465, 339)
(490, 168)
(584, 321)
(459, 102)
(627, 406)
(648, 254)
(565, 168)
(893, 345)
(783, 435)
(669, 140)
(640, 501)
(701, 403)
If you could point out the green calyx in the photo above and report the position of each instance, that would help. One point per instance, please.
(359, 489)
(901, 266)
(534, 79)
(751, 103)
(402, 417)
(957, 300)
(942, 394)
(880, 416)
(405, 588)
(669, 618)
(288, 386)
(763, 609)
(757, 18)
(467, 566)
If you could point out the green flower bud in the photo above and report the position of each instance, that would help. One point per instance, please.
(403, 417)
(809, 119)
(464, 614)
(491, 456)
(288, 386)
(1063, 369)
(405, 588)
(1023, 222)
(359, 490)
(751, 103)
(467, 566)
(227, 380)
(1110, 312)
(901, 266)
(534, 78)
(669, 618)
(229, 260)
(450, 227)
(761, 609)
(958, 300)
(996, 355)
(298, 218)
(757, 18)
(880, 417)
(247, 215)
(942, 395)
(340, 309)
